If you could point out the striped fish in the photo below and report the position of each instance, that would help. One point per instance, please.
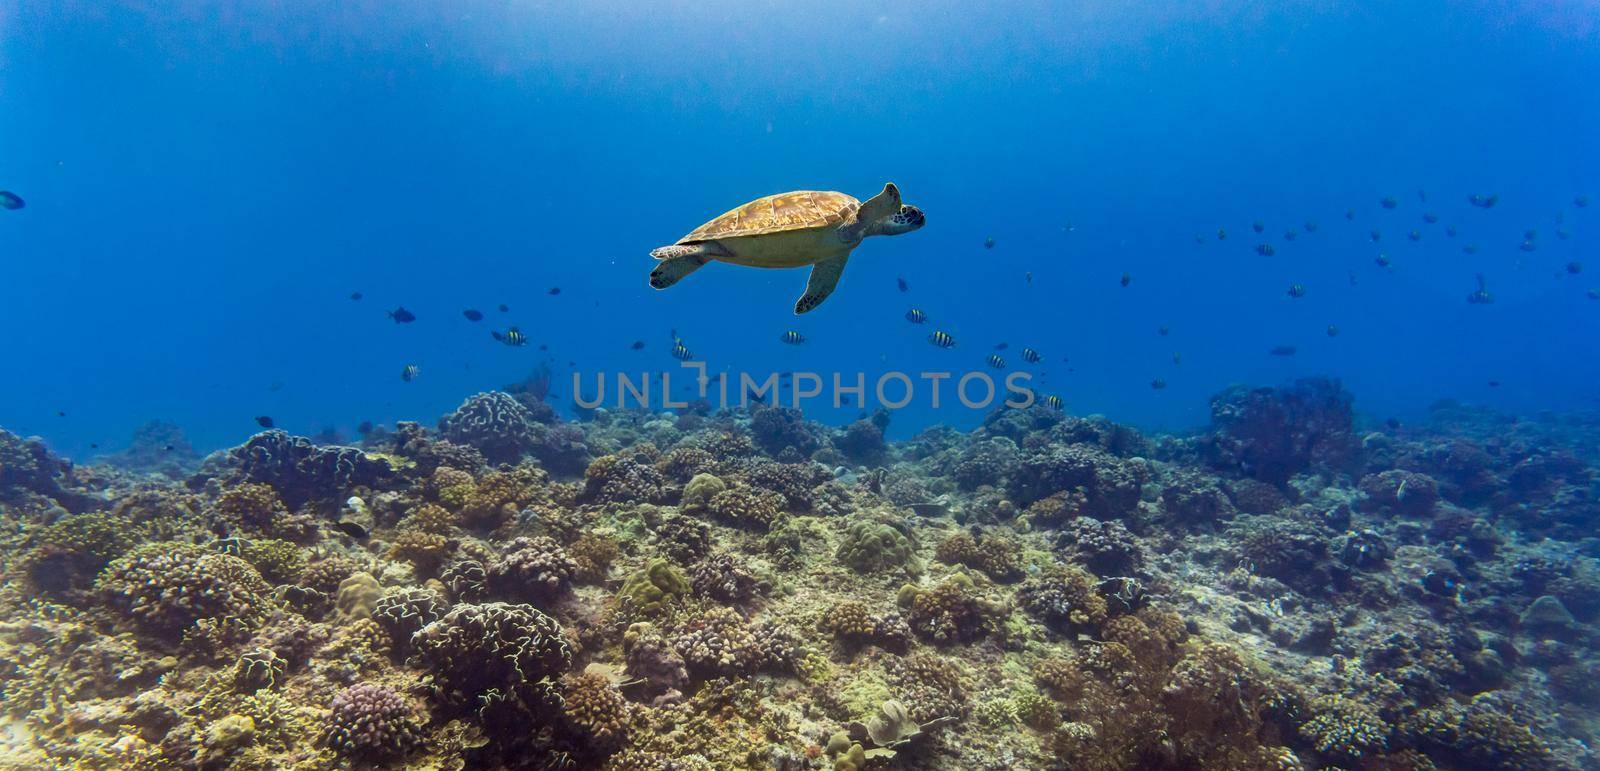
(942, 339)
(916, 316)
(1031, 356)
(995, 361)
(792, 337)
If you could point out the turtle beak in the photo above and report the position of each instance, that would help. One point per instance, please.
(910, 218)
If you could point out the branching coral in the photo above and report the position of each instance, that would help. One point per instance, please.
(373, 723)
(166, 588)
(1064, 598)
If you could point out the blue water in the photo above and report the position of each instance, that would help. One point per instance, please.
(206, 187)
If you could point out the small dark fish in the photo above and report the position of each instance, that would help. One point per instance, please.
(1574, 267)
(1001, 346)
(1031, 356)
(410, 372)
(1376, 235)
(1528, 246)
(1297, 290)
(988, 243)
(353, 529)
(1530, 234)
(1350, 214)
(995, 362)
(94, 445)
(1158, 384)
(555, 290)
(265, 421)
(1484, 201)
(356, 295)
(1594, 294)
(1265, 250)
(1282, 350)
(473, 314)
(169, 447)
(402, 316)
(1382, 260)
(504, 308)
(1126, 279)
(1430, 218)
(792, 337)
(1222, 234)
(61, 413)
(1392, 423)
(544, 347)
(1415, 235)
(1481, 295)
(1163, 330)
(1199, 239)
(1333, 330)
(638, 345)
(1563, 234)
(1388, 202)
(1422, 195)
(1177, 357)
(941, 339)
(916, 316)
(1450, 231)
(1494, 384)
(1290, 234)
(512, 337)
(10, 200)
(1353, 279)
(365, 428)
(1053, 402)
(681, 351)
(1258, 226)
(1311, 226)
(903, 285)
(1581, 201)
(1027, 277)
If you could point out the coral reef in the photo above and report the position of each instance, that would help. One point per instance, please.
(746, 589)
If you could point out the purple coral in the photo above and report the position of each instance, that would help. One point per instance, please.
(298, 469)
(1271, 434)
(371, 722)
(535, 568)
(1110, 484)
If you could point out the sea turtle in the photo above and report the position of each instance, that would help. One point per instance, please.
(788, 230)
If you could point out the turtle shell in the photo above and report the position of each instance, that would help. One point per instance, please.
(798, 210)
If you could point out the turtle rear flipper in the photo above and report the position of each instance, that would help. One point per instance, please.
(824, 277)
(670, 270)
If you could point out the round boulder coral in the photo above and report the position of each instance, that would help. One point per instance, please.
(475, 649)
(494, 423)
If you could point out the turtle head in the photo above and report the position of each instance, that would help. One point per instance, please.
(907, 219)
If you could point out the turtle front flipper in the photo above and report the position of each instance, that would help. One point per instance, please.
(824, 277)
(671, 270)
